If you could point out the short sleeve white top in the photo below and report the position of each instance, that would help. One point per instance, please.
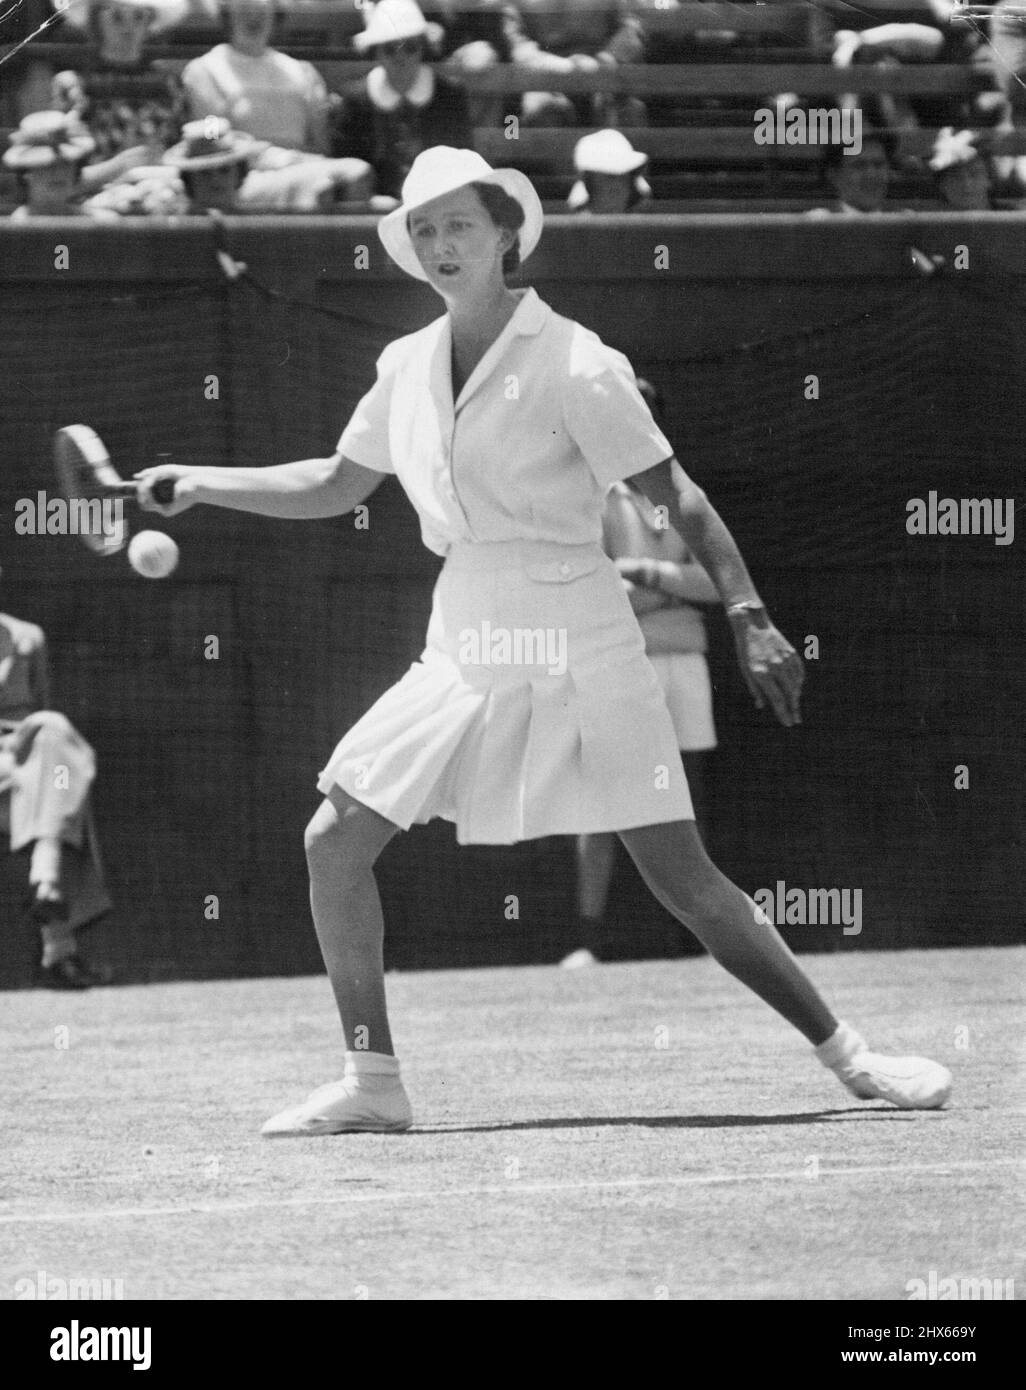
(546, 422)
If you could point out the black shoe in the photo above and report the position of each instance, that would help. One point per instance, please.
(70, 972)
(45, 910)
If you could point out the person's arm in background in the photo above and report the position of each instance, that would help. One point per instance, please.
(627, 42)
(204, 96)
(678, 579)
(771, 667)
(527, 53)
(39, 675)
(643, 598)
(318, 139)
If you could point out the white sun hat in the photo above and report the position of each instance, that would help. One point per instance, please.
(392, 20)
(440, 170)
(606, 152)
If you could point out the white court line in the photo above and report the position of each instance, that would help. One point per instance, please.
(512, 1188)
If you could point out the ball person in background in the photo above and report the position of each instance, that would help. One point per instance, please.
(46, 772)
(506, 424)
(664, 585)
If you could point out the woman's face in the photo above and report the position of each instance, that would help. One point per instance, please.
(966, 187)
(50, 189)
(251, 22)
(861, 180)
(610, 192)
(123, 30)
(401, 61)
(214, 188)
(458, 244)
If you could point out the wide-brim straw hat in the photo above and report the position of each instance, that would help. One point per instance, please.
(441, 170)
(210, 143)
(46, 137)
(165, 14)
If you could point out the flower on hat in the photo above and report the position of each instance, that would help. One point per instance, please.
(952, 148)
(46, 137)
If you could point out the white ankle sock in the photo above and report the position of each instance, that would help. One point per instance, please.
(841, 1046)
(378, 1068)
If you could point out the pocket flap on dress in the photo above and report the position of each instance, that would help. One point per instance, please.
(563, 571)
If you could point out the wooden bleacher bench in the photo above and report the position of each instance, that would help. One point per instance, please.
(720, 146)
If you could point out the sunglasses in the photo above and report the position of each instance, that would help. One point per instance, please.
(392, 50)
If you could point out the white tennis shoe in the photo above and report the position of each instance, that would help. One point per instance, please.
(911, 1083)
(370, 1098)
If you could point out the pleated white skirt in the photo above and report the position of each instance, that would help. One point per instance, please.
(532, 710)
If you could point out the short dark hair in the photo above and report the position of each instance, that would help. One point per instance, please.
(505, 212)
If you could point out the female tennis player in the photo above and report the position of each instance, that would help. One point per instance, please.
(532, 709)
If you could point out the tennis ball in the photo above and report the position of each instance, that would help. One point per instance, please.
(152, 554)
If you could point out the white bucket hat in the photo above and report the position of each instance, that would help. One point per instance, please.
(392, 20)
(440, 170)
(606, 152)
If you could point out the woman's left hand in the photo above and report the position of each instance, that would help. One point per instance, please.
(644, 572)
(772, 669)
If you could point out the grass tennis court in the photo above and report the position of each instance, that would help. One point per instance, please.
(635, 1131)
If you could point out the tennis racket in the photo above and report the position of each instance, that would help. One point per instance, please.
(92, 486)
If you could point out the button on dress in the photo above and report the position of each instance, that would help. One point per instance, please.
(532, 709)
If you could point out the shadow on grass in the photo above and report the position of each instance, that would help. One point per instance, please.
(816, 1117)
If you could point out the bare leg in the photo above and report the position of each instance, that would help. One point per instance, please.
(343, 840)
(674, 864)
(595, 854)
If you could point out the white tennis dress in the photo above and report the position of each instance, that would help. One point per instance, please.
(532, 709)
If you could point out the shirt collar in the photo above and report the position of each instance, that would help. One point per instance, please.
(385, 97)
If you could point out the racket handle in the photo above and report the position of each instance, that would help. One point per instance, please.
(163, 491)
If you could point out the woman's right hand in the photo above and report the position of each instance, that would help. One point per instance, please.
(185, 478)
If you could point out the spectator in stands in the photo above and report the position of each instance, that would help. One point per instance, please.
(257, 88)
(665, 585)
(402, 106)
(610, 178)
(47, 816)
(47, 152)
(931, 38)
(133, 109)
(213, 161)
(476, 35)
(562, 36)
(962, 171)
(859, 182)
(280, 101)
